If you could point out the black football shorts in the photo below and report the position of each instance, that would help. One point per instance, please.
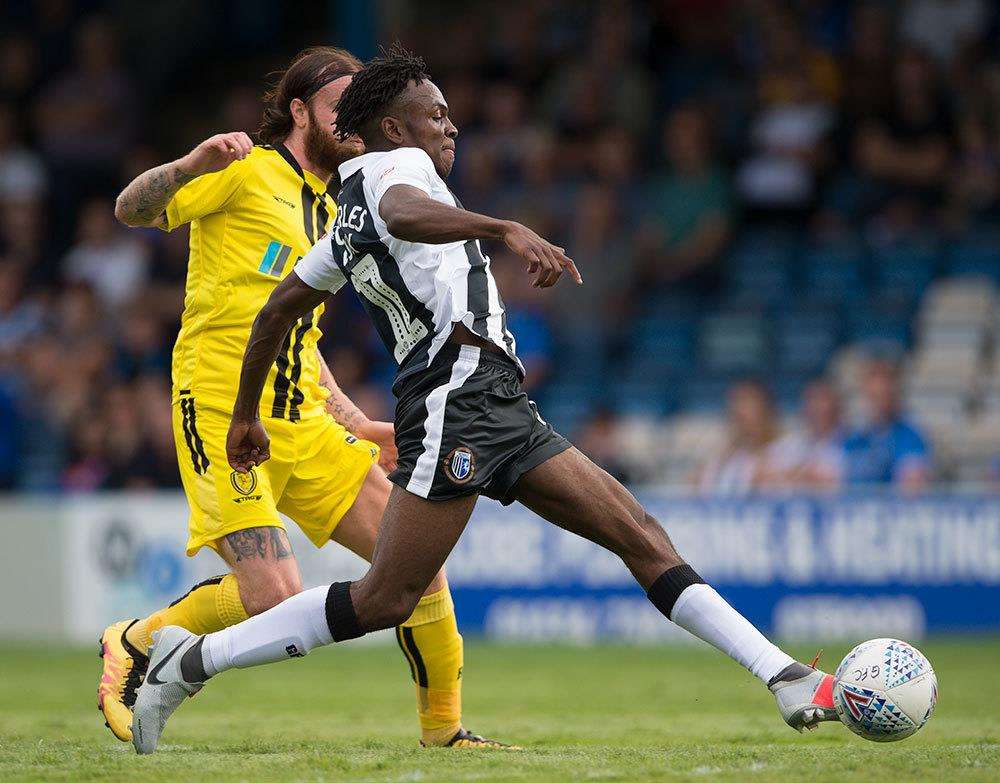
(465, 425)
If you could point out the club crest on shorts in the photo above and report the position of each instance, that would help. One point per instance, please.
(460, 465)
(244, 483)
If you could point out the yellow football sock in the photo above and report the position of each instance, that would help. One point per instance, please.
(433, 648)
(208, 606)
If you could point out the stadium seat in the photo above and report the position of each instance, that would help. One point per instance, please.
(906, 267)
(734, 343)
(977, 253)
(703, 395)
(804, 342)
(833, 272)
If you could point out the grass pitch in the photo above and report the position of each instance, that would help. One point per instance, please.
(609, 713)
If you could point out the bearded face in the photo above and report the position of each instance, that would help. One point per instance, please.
(322, 146)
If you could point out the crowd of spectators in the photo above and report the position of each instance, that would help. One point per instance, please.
(823, 453)
(643, 137)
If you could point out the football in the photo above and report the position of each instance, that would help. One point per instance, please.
(885, 690)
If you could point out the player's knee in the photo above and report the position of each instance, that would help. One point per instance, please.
(268, 595)
(387, 610)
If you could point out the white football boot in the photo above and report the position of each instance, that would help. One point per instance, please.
(804, 695)
(165, 687)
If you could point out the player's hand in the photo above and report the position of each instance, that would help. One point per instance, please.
(247, 445)
(216, 152)
(383, 434)
(543, 258)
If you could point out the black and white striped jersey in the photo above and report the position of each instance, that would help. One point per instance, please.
(414, 292)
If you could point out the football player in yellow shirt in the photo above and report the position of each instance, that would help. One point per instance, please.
(254, 211)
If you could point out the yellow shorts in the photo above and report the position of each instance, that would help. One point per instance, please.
(314, 474)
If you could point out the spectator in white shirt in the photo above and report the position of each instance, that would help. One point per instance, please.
(812, 456)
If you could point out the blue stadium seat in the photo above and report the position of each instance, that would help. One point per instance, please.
(804, 342)
(663, 344)
(787, 390)
(764, 281)
(834, 272)
(704, 395)
(906, 267)
(869, 324)
(734, 343)
(977, 253)
(645, 398)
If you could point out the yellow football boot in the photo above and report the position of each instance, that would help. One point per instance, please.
(124, 669)
(466, 739)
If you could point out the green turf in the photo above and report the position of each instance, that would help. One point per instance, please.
(610, 713)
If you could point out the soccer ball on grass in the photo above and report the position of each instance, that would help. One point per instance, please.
(885, 690)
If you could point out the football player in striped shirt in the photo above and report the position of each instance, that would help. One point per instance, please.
(254, 211)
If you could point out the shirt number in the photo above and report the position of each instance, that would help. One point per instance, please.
(369, 283)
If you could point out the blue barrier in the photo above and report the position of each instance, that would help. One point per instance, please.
(796, 567)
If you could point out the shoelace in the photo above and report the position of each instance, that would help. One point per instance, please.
(815, 660)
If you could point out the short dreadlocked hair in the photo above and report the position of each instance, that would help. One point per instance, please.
(375, 88)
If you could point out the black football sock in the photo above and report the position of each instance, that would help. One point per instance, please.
(192, 663)
(669, 585)
(340, 614)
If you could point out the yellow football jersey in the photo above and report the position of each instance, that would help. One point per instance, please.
(250, 223)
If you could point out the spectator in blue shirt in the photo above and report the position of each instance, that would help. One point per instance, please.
(888, 449)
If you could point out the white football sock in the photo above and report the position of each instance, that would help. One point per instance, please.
(703, 612)
(289, 630)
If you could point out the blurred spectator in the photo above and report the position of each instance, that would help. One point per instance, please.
(85, 118)
(598, 438)
(888, 449)
(591, 312)
(22, 236)
(141, 348)
(18, 68)
(751, 459)
(112, 261)
(22, 174)
(812, 456)
(86, 115)
(867, 64)
(527, 318)
(689, 210)
(974, 184)
(645, 138)
(797, 88)
(20, 316)
(907, 150)
(944, 27)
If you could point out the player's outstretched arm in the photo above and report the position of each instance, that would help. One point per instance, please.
(352, 419)
(412, 215)
(144, 201)
(247, 443)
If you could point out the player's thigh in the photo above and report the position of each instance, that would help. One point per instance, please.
(414, 540)
(264, 564)
(359, 527)
(330, 476)
(572, 492)
(221, 501)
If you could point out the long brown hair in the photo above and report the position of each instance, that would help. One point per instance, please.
(310, 71)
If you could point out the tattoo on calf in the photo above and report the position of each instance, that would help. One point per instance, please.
(279, 544)
(248, 544)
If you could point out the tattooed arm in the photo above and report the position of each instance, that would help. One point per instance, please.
(349, 415)
(144, 201)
